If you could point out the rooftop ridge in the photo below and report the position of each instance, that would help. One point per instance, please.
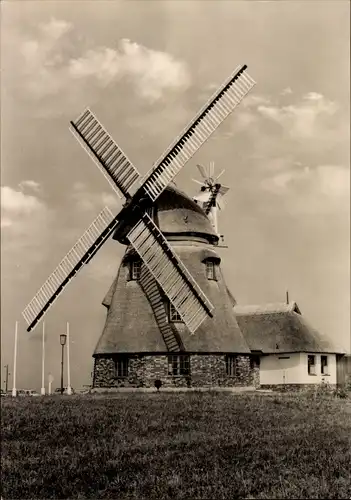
(269, 308)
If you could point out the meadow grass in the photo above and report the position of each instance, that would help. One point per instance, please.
(178, 445)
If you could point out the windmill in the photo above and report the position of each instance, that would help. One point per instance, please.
(134, 223)
(211, 193)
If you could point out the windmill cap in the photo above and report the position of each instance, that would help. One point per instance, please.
(179, 215)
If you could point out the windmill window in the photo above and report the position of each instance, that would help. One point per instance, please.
(121, 367)
(210, 270)
(232, 367)
(174, 316)
(135, 270)
(179, 365)
(324, 365)
(311, 364)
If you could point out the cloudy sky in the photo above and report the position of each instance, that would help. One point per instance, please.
(145, 68)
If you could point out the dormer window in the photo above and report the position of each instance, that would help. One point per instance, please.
(210, 270)
(174, 316)
(135, 270)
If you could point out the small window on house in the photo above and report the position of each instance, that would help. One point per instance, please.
(178, 365)
(121, 367)
(311, 362)
(210, 270)
(174, 316)
(324, 365)
(135, 270)
(232, 367)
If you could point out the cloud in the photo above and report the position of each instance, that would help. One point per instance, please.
(16, 203)
(31, 185)
(150, 71)
(25, 224)
(302, 120)
(286, 91)
(334, 181)
(55, 28)
(87, 201)
(42, 52)
(246, 115)
(313, 96)
(43, 58)
(321, 189)
(56, 61)
(254, 100)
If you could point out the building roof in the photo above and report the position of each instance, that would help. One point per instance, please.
(277, 307)
(131, 326)
(176, 213)
(277, 328)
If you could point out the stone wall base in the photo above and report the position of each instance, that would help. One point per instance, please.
(205, 370)
(153, 390)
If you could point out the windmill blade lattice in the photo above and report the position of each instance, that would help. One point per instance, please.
(171, 274)
(108, 156)
(85, 248)
(217, 109)
(219, 175)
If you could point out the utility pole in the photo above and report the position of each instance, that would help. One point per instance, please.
(42, 390)
(63, 338)
(69, 389)
(7, 377)
(14, 390)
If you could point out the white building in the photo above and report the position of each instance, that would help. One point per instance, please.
(290, 351)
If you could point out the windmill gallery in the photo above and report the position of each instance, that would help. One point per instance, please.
(170, 315)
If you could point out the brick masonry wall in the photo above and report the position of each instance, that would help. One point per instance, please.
(206, 370)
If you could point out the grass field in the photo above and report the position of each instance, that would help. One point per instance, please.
(179, 446)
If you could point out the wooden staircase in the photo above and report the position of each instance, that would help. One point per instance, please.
(154, 295)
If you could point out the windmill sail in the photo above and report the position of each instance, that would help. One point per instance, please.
(202, 171)
(173, 277)
(108, 156)
(85, 248)
(182, 290)
(210, 197)
(223, 190)
(150, 287)
(219, 106)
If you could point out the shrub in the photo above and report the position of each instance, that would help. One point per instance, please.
(340, 392)
(158, 384)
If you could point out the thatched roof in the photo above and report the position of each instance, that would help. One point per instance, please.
(278, 307)
(277, 328)
(131, 326)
